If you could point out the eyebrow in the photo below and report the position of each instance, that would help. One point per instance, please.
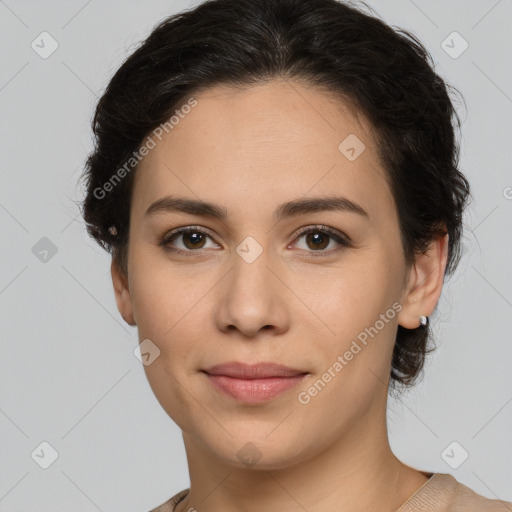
(169, 204)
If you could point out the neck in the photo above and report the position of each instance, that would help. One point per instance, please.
(358, 472)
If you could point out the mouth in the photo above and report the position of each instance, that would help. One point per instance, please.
(254, 383)
(263, 370)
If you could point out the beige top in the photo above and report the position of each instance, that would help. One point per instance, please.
(440, 493)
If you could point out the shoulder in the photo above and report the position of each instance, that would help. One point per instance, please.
(443, 493)
(171, 503)
(465, 498)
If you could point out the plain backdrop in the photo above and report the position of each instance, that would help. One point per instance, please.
(68, 375)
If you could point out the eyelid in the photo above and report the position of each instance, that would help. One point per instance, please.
(166, 238)
(186, 228)
(320, 227)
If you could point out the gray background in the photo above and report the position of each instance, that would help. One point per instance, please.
(68, 375)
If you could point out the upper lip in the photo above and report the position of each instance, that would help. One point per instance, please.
(253, 371)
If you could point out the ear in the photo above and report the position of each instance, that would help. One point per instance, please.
(425, 283)
(122, 292)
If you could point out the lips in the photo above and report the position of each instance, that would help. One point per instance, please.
(253, 384)
(263, 370)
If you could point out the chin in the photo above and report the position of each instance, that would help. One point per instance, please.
(261, 452)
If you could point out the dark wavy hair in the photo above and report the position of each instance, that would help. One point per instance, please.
(384, 73)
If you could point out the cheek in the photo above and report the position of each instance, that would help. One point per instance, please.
(355, 313)
(173, 311)
(171, 389)
(163, 297)
(174, 322)
(346, 298)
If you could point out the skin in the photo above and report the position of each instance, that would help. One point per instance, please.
(249, 151)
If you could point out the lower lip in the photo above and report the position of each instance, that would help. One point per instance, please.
(254, 390)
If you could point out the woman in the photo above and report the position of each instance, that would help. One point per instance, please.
(277, 183)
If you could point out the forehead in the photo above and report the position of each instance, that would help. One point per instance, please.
(263, 144)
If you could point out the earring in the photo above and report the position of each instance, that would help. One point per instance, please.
(423, 320)
(112, 230)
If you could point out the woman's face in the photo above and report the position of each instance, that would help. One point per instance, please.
(253, 288)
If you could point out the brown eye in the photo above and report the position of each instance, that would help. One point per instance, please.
(318, 238)
(193, 240)
(186, 240)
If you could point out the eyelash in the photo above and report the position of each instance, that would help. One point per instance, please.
(343, 241)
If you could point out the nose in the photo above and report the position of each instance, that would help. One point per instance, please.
(253, 298)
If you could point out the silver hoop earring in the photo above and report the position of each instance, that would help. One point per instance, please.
(423, 320)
